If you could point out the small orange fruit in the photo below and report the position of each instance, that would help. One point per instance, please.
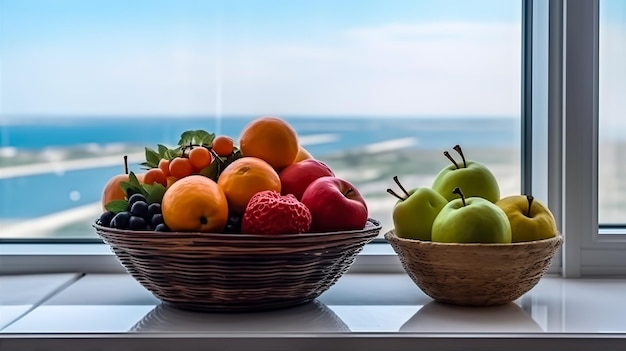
(270, 139)
(195, 204)
(155, 175)
(223, 145)
(180, 167)
(164, 165)
(170, 180)
(200, 158)
(245, 177)
(303, 154)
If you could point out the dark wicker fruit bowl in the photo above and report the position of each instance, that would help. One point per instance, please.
(236, 272)
(475, 274)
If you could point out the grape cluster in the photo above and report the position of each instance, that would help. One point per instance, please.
(139, 215)
(233, 225)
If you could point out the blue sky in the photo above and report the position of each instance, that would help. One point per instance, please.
(395, 57)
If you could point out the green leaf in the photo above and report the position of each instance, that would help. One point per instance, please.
(155, 192)
(186, 137)
(117, 206)
(211, 171)
(162, 150)
(176, 152)
(133, 186)
(203, 137)
(152, 158)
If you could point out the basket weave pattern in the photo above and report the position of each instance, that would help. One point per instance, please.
(475, 274)
(236, 272)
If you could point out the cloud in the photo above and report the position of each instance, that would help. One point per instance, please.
(439, 68)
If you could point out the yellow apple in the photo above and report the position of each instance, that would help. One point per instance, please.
(530, 218)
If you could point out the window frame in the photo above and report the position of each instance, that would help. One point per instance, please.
(588, 251)
(559, 156)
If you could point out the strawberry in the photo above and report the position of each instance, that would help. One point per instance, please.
(269, 212)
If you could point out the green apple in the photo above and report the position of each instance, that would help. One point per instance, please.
(473, 177)
(414, 213)
(530, 218)
(471, 220)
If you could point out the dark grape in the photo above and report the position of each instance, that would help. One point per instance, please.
(153, 208)
(156, 219)
(233, 225)
(105, 218)
(134, 198)
(120, 220)
(137, 223)
(162, 228)
(139, 208)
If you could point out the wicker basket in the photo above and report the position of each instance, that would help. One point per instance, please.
(236, 272)
(475, 274)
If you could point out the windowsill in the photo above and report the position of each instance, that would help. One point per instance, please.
(365, 311)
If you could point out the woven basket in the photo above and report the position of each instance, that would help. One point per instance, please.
(236, 272)
(475, 274)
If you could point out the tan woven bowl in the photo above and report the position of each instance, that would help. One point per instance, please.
(475, 274)
(236, 272)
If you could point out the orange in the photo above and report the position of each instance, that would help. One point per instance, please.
(223, 145)
(303, 154)
(270, 139)
(245, 177)
(195, 204)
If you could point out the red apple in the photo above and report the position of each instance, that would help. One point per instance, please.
(335, 205)
(295, 178)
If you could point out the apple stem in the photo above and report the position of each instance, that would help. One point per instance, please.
(395, 194)
(530, 202)
(457, 190)
(125, 164)
(395, 179)
(347, 192)
(447, 154)
(457, 148)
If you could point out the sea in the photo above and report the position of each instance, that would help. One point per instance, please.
(53, 190)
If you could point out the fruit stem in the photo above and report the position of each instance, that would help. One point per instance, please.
(457, 148)
(348, 192)
(125, 164)
(457, 190)
(216, 156)
(395, 179)
(447, 154)
(395, 194)
(530, 202)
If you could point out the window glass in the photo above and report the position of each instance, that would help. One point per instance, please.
(612, 110)
(375, 88)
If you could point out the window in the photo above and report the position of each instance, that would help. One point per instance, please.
(587, 94)
(374, 88)
(612, 109)
(366, 67)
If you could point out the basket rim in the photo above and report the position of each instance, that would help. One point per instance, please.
(391, 235)
(370, 225)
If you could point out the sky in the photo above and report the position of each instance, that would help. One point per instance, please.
(282, 57)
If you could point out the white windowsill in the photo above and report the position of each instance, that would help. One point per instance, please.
(364, 311)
